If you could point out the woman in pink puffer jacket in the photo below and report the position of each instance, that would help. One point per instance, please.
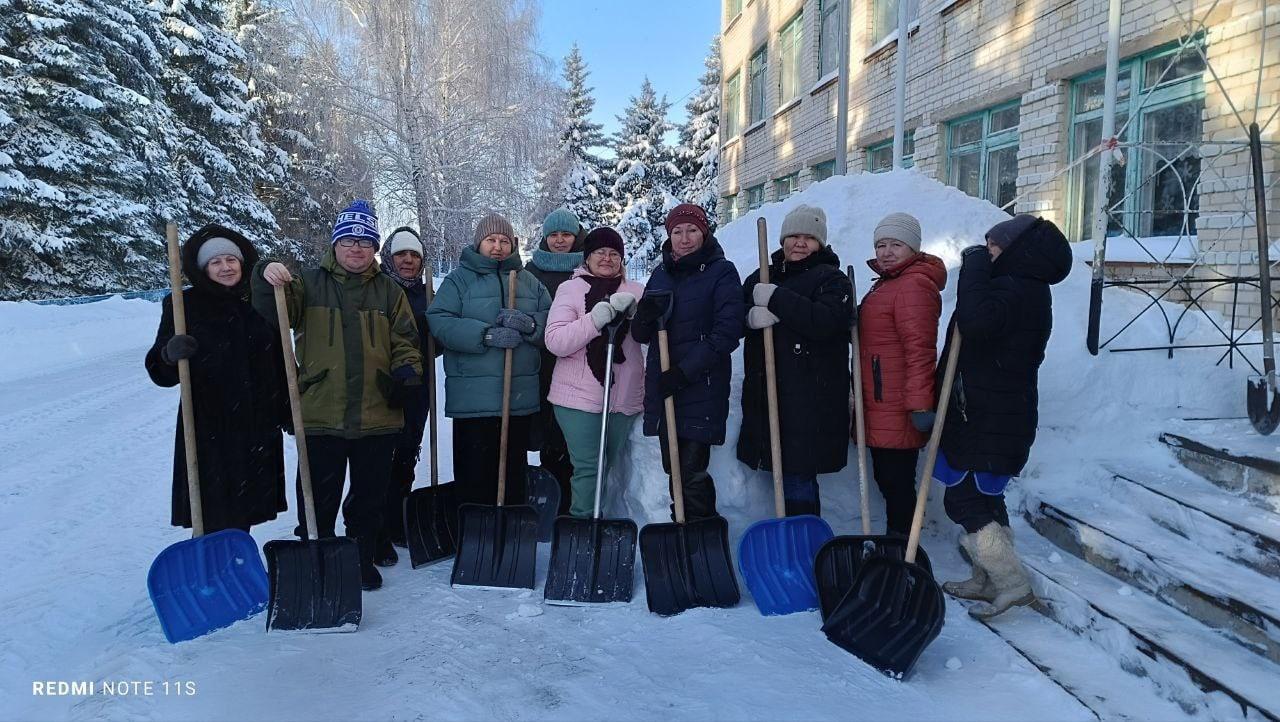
(598, 293)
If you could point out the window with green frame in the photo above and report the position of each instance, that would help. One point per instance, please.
(1159, 101)
(823, 170)
(732, 8)
(880, 155)
(733, 105)
(982, 154)
(828, 36)
(790, 43)
(786, 185)
(755, 197)
(757, 70)
(730, 205)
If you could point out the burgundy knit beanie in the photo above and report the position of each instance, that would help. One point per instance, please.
(688, 213)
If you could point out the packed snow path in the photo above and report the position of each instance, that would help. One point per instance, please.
(87, 446)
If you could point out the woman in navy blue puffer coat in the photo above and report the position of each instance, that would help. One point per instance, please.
(705, 326)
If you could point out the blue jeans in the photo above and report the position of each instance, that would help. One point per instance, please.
(800, 491)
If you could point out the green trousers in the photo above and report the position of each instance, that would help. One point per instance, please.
(582, 434)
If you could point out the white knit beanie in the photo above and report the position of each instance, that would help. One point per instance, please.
(404, 239)
(806, 221)
(899, 227)
(217, 246)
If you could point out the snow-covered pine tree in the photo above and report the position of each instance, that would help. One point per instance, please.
(581, 188)
(698, 154)
(646, 175)
(78, 190)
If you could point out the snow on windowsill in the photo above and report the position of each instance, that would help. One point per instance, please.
(947, 5)
(787, 106)
(735, 20)
(1123, 249)
(824, 81)
(890, 39)
(753, 127)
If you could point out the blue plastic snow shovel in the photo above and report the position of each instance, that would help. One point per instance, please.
(209, 581)
(776, 556)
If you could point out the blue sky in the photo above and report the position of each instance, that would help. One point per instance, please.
(622, 41)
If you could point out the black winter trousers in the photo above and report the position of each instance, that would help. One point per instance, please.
(369, 461)
(554, 457)
(972, 509)
(895, 472)
(404, 462)
(476, 443)
(698, 486)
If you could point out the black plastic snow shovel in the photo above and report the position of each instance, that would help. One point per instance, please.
(840, 559)
(686, 564)
(895, 607)
(431, 513)
(498, 545)
(544, 497)
(593, 561)
(209, 581)
(315, 583)
(1262, 395)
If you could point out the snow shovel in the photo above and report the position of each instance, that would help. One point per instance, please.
(315, 583)
(498, 545)
(544, 497)
(431, 514)
(776, 556)
(895, 608)
(1262, 395)
(838, 561)
(209, 581)
(686, 564)
(593, 561)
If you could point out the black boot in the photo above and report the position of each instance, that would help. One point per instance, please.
(385, 553)
(370, 578)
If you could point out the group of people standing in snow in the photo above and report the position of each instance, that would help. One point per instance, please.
(361, 330)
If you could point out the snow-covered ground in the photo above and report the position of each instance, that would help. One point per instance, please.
(86, 445)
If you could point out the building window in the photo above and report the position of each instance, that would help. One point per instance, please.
(823, 170)
(755, 197)
(982, 155)
(732, 9)
(880, 155)
(828, 36)
(786, 185)
(1159, 101)
(732, 105)
(730, 208)
(790, 40)
(757, 71)
(884, 18)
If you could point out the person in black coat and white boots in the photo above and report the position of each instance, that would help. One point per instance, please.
(1004, 310)
(703, 330)
(809, 305)
(237, 387)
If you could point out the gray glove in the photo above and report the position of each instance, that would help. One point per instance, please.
(501, 337)
(601, 314)
(759, 317)
(761, 293)
(516, 320)
(624, 303)
(178, 348)
(923, 421)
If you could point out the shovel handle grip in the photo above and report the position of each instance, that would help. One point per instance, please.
(771, 382)
(935, 438)
(184, 380)
(295, 409)
(859, 416)
(506, 400)
(673, 440)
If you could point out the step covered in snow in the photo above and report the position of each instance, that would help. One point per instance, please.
(1230, 454)
(1149, 638)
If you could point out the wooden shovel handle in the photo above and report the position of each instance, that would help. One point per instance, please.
(184, 379)
(295, 408)
(859, 415)
(506, 400)
(673, 440)
(935, 438)
(429, 377)
(771, 382)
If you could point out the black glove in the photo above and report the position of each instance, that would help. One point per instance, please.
(975, 254)
(407, 393)
(923, 421)
(671, 381)
(650, 308)
(178, 348)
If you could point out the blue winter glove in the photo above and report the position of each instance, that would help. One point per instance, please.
(501, 337)
(516, 320)
(923, 421)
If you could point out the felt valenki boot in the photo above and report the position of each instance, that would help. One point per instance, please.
(993, 545)
(979, 585)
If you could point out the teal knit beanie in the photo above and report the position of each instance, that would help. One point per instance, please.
(562, 220)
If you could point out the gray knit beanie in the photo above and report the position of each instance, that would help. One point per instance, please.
(899, 227)
(493, 223)
(217, 246)
(807, 221)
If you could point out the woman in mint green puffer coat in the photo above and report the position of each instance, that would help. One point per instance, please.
(468, 317)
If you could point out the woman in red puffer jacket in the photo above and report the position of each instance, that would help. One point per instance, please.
(898, 334)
